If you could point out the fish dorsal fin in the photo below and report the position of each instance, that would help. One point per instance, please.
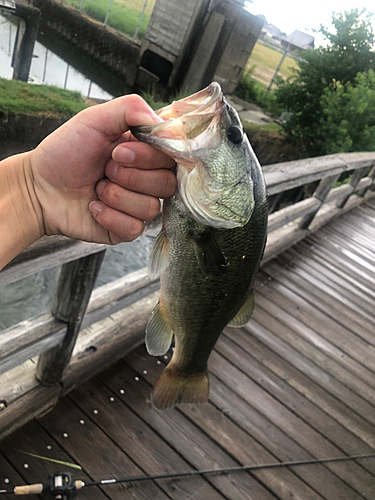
(158, 261)
(158, 332)
(210, 258)
(245, 313)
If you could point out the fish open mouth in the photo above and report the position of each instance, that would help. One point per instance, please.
(184, 121)
(194, 133)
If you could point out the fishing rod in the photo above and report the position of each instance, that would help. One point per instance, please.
(63, 486)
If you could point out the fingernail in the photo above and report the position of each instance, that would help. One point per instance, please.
(124, 155)
(149, 118)
(100, 187)
(95, 208)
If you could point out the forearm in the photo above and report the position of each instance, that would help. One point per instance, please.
(21, 221)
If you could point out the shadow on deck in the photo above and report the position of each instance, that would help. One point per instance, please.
(296, 383)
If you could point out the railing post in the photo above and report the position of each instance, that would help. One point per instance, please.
(76, 282)
(354, 179)
(371, 175)
(321, 193)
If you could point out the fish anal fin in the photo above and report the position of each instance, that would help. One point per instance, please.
(174, 388)
(245, 313)
(210, 258)
(158, 261)
(158, 332)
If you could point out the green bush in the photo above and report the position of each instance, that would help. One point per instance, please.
(349, 115)
(248, 88)
(350, 51)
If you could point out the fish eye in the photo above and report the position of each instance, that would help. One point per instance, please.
(234, 135)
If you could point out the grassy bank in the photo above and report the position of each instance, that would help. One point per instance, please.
(266, 59)
(124, 14)
(25, 98)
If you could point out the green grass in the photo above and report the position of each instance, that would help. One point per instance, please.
(25, 98)
(267, 127)
(124, 14)
(266, 59)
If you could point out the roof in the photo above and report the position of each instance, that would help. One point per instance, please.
(300, 39)
(272, 29)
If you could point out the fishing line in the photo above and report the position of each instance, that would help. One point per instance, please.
(62, 485)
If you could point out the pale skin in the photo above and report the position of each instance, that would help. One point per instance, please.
(89, 180)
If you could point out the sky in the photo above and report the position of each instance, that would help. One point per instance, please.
(289, 15)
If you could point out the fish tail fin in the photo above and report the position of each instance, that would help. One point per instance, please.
(174, 387)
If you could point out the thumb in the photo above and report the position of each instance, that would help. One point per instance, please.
(115, 117)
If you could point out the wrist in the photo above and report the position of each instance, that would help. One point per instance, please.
(21, 220)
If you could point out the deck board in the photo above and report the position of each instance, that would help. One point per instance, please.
(297, 382)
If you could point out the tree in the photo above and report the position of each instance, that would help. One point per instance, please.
(349, 115)
(350, 50)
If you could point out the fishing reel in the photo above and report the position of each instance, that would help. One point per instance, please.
(60, 486)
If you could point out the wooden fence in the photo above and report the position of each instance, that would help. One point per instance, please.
(47, 356)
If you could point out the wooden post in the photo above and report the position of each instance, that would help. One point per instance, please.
(321, 192)
(73, 292)
(354, 179)
(371, 175)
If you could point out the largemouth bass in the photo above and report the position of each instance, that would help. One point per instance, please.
(212, 239)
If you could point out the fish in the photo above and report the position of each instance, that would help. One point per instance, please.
(213, 235)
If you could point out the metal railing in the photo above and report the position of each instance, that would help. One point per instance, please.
(84, 6)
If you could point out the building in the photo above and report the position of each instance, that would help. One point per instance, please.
(298, 41)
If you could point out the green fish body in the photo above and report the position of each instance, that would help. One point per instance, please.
(207, 254)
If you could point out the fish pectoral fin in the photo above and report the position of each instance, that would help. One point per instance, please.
(210, 258)
(174, 388)
(158, 333)
(245, 313)
(158, 261)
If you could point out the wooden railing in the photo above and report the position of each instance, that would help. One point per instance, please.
(45, 357)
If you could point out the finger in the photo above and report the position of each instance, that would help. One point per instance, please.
(115, 117)
(137, 205)
(158, 183)
(141, 155)
(121, 226)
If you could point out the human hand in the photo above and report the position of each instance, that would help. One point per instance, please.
(93, 181)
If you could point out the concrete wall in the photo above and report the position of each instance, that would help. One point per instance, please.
(190, 44)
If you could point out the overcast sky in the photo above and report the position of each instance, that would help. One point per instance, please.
(289, 15)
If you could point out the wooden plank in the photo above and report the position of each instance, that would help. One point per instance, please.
(9, 478)
(291, 213)
(33, 439)
(327, 280)
(289, 421)
(76, 282)
(28, 338)
(31, 337)
(181, 429)
(232, 423)
(122, 434)
(312, 338)
(320, 194)
(48, 252)
(327, 258)
(107, 341)
(342, 337)
(345, 243)
(343, 411)
(312, 362)
(334, 305)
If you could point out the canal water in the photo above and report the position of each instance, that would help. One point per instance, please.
(46, 67)
(34, 295)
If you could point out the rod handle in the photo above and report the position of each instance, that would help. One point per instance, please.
(30, 489)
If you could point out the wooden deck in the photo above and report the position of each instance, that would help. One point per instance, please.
(297, 382)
